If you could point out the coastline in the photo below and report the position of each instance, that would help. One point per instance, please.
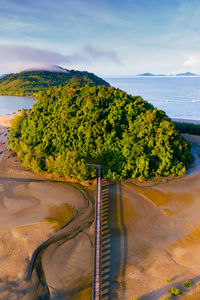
(5, 120)
(185, 120)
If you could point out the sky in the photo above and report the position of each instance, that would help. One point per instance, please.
(107, 37)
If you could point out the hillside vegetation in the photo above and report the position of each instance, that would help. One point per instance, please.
(27, 83)
(80, 123)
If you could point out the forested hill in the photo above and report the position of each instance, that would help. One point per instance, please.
(77, 124)
(31, 82)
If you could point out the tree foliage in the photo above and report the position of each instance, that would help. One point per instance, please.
(27, 83)
(79, 123)
(191, 128)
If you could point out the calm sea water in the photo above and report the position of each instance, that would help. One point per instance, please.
(179, 97)
(10, 104)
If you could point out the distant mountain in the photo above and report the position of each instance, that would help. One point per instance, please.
(180, 74)
(146, 74)
(186, 74)
(29, 82)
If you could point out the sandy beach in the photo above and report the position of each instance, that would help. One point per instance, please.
(6, 120)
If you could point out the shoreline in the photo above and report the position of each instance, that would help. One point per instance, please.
(5, 120)
(185, 120)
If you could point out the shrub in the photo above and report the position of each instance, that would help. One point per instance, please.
(188, 283)
(174, 291)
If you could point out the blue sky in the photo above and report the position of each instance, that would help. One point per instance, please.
(107, 37)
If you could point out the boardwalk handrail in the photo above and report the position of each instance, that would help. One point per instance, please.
(97, 247)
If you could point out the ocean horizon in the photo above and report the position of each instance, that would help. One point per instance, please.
(178, 96)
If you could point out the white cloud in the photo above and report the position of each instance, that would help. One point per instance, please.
(95, 53)
(192, 62)
(17, 58)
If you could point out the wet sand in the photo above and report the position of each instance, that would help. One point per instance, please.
(155, 235)
(27, 202)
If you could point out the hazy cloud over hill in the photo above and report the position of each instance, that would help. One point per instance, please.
(17, 58)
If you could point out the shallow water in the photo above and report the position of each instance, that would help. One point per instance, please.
(179, 97)
(10, 104)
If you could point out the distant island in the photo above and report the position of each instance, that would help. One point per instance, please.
(30, 82)
(146, 74)
(179, 74)
(187, 74)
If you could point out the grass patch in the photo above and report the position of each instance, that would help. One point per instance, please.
(59, 216)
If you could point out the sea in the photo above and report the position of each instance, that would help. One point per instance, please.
(178, 96)
(11, 104)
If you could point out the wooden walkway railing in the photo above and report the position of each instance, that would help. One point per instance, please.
(101, 281)
(97, 248)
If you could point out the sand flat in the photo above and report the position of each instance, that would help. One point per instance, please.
(27, 200)
(5, 120)
(155, 231)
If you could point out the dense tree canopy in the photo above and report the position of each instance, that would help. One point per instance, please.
(191, 128)
(80, 123)
(31, 82)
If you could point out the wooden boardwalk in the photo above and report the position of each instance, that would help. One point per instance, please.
(101, 276)
(97, 248)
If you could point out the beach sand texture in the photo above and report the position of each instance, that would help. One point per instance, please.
(27, 202)
(6, 120)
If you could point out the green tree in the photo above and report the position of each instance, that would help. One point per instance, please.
(76, 124)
